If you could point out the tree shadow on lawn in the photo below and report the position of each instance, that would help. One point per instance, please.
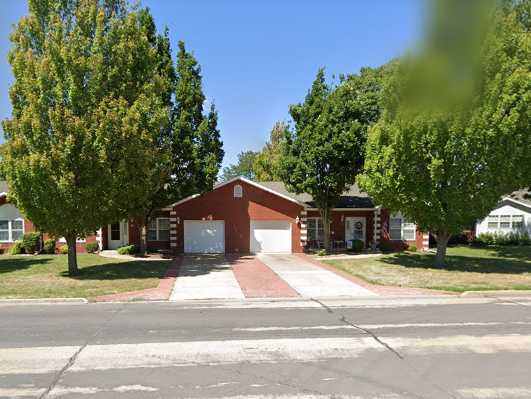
(121, 271)
(521, 252)
(12, 264)
(459, 263)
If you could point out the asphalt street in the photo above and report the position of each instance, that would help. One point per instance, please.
(372, 348)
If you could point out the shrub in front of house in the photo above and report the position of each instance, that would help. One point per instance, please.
(458, 239)
(488, 239)
(477, 243)
(127, 250)
(386, 247)
(412, 248)
(31, 242)
(91, 247)
(49, 246)
(63, 249)
(321, 252)
(17, 248)
(357, 246)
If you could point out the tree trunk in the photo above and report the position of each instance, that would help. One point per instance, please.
(72, 256)
(143, 236)
(325, 216)
(442, 244)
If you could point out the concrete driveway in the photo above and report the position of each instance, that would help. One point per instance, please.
(263, 276)
(312, 281)
(206, 277)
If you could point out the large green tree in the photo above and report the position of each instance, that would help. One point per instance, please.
(82, 141)
(190, 141)
(454, 136)
(266, 165)
(197, 151)
(244, 167)
(325, 152)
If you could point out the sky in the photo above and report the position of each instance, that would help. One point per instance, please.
(258, 57)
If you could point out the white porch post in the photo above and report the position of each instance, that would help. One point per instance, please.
(304, 228)
(377, 227)
(425, 241)
(173, 230)
(99, 238)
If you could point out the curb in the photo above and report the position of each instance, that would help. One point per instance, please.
(43, 300)
(496, 294)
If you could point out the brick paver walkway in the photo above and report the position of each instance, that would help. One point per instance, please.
(258, 280)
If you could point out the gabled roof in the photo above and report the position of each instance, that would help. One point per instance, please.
(353, 198)
(245, 180)
(520, 198)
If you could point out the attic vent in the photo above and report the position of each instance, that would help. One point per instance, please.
(238, 191)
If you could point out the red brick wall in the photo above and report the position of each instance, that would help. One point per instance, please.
(399, 245)
(256, 204)
(337, 228)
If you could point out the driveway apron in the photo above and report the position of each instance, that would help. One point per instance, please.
(312, 281)
(206, 277)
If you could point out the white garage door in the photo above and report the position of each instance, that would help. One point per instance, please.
(204, 236)
(270, 236)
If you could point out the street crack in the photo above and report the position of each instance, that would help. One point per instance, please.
(344, 320)
(74, 357)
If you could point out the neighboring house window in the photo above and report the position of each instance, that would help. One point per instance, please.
(238, 191)
(11, 230)
(159, 229)
(315, 229)
(401, 229)
(505, 222)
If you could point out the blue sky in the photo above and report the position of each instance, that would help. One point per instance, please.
(258, 57)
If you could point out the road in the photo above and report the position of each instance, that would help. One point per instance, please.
(357, 349)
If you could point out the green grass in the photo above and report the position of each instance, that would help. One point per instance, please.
(45, 276)
(467, 269)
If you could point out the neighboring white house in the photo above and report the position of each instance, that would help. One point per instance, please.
(511, 215)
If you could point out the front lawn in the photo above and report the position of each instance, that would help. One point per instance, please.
(467, 269)
(45, 276)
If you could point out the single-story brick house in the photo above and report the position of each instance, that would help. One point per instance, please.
(511, 215)
(242, 216)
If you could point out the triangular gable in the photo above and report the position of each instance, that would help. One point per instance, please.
(245, 180)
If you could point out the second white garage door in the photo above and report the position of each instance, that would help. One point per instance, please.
(204, 236)
(270, 236)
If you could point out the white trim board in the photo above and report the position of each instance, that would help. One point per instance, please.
(243, 179)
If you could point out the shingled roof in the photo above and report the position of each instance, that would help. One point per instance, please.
(523, 196)
(352, 198)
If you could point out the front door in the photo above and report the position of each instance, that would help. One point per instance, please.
(117, 234)
(355, 229)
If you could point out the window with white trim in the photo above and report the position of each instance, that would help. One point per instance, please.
(159, 229)
(401, 229)
(315, 229)
(505, 222)
(11, 230)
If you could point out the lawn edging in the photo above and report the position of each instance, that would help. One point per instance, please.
(43, 300)
(497, 293)
(160, 293)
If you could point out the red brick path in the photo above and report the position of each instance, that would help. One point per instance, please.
(257, 280)
(161, 293)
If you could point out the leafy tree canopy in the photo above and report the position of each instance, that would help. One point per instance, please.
(244, 167)
(326, 151)
(454, 136)
(82, 141)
